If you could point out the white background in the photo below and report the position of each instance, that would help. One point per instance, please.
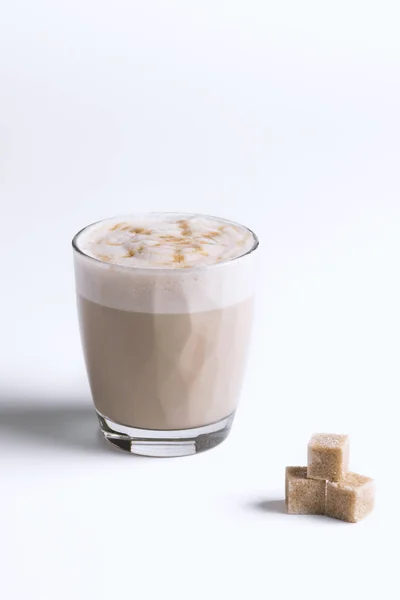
(285, 116)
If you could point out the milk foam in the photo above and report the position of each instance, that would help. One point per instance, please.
(166, 241)
(162, 285)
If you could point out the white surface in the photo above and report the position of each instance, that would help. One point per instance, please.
(283, 115)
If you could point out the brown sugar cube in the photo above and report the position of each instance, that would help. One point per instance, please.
(351, 499)
(304, 496)
(328, 456)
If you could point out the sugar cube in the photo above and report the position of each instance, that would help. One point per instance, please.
(351, 499)
(304, 496)
(328, 456)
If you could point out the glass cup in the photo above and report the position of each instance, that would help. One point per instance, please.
(165, 349)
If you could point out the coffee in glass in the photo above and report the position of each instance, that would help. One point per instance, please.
(165, 306)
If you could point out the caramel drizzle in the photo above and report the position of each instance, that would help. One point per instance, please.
(178, 257)
(177, 242)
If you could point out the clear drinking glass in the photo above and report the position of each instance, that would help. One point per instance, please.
(165, 349)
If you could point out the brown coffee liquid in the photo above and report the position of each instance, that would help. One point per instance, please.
(165, 371)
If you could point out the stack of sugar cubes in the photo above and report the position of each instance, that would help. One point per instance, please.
(325, 486)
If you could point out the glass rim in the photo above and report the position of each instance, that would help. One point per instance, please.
(76, 248)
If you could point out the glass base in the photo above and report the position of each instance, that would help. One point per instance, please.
(165, 443)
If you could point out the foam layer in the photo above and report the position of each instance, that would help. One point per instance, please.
(167, 290)
(165, 241)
